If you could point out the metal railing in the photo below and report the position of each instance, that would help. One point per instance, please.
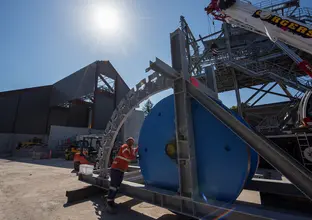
(276, 5)
(288, 8)
(301, 14)
(275, 121)
(274, 71)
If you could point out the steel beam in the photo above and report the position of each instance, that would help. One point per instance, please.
(227, 39)
(171, 73)
(273, 93)
(186, 159)
(199, 210)
(106, 83)
(256, 93)
(210, 35)
(238, 98)
(294, 84)
(162, 67)
(284, 88)
(279, 159)
(266, 92)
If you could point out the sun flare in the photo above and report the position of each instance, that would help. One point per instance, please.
(106, 18)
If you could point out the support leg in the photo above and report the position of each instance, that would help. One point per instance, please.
(237, 93)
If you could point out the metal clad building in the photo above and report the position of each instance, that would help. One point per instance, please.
(75, 85)
(86, 98)
(8, 111)
(33, 111)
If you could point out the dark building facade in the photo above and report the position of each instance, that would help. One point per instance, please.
(86, 98)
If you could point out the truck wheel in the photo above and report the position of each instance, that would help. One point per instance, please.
(76, 166)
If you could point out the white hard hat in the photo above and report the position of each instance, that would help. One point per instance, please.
(130, 138)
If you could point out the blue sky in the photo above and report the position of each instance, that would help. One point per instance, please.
(42, 42)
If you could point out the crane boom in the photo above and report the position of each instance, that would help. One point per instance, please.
(278, 28)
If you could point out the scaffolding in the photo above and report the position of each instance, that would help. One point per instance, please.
(249, 60)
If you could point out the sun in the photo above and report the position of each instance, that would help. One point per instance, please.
(106, 18)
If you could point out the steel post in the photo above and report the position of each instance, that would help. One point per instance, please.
(279, 159)
(183, 119)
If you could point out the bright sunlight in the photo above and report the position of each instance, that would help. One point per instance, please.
(106, 18)
(105, 24)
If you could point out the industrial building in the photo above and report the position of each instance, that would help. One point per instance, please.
(83, 100)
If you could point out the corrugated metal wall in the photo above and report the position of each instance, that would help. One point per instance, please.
(29, 112)
(78, 116)
(121, 89)
(8, 110)
(74, 86)
(105, 103)
(33, 111)
(58, 116)
(103, 109)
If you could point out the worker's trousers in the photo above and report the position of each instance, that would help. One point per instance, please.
(116, 179)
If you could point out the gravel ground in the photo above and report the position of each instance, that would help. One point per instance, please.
(35, 190)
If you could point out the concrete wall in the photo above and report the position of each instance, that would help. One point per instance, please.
(58, 134)
(133, 125)
(5, 144)
(9, 142)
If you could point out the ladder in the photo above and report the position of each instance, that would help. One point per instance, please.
(305, 149)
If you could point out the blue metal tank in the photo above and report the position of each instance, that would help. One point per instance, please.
(224, 162)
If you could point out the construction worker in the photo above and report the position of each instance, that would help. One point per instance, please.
(120, 164)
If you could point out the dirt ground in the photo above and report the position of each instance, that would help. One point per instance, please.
(35, 190)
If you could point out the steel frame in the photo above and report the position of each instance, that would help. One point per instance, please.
(108, 87)
(186, 159)
(187, 202)
(249, 68)
(186, 206)
(270, 92)
(184, 66)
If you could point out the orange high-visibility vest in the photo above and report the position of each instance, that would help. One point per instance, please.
(124, 157)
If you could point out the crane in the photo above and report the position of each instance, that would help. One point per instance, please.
(280, 30)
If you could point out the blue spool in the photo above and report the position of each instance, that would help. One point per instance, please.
(224, 162)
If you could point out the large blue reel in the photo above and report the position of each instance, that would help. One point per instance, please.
(224, 162)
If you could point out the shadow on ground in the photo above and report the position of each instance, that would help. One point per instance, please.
(126, 211)
(54, 162)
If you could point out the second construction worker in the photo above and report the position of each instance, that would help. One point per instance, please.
(120, 164)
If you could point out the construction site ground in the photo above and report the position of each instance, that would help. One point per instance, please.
(35, 190)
